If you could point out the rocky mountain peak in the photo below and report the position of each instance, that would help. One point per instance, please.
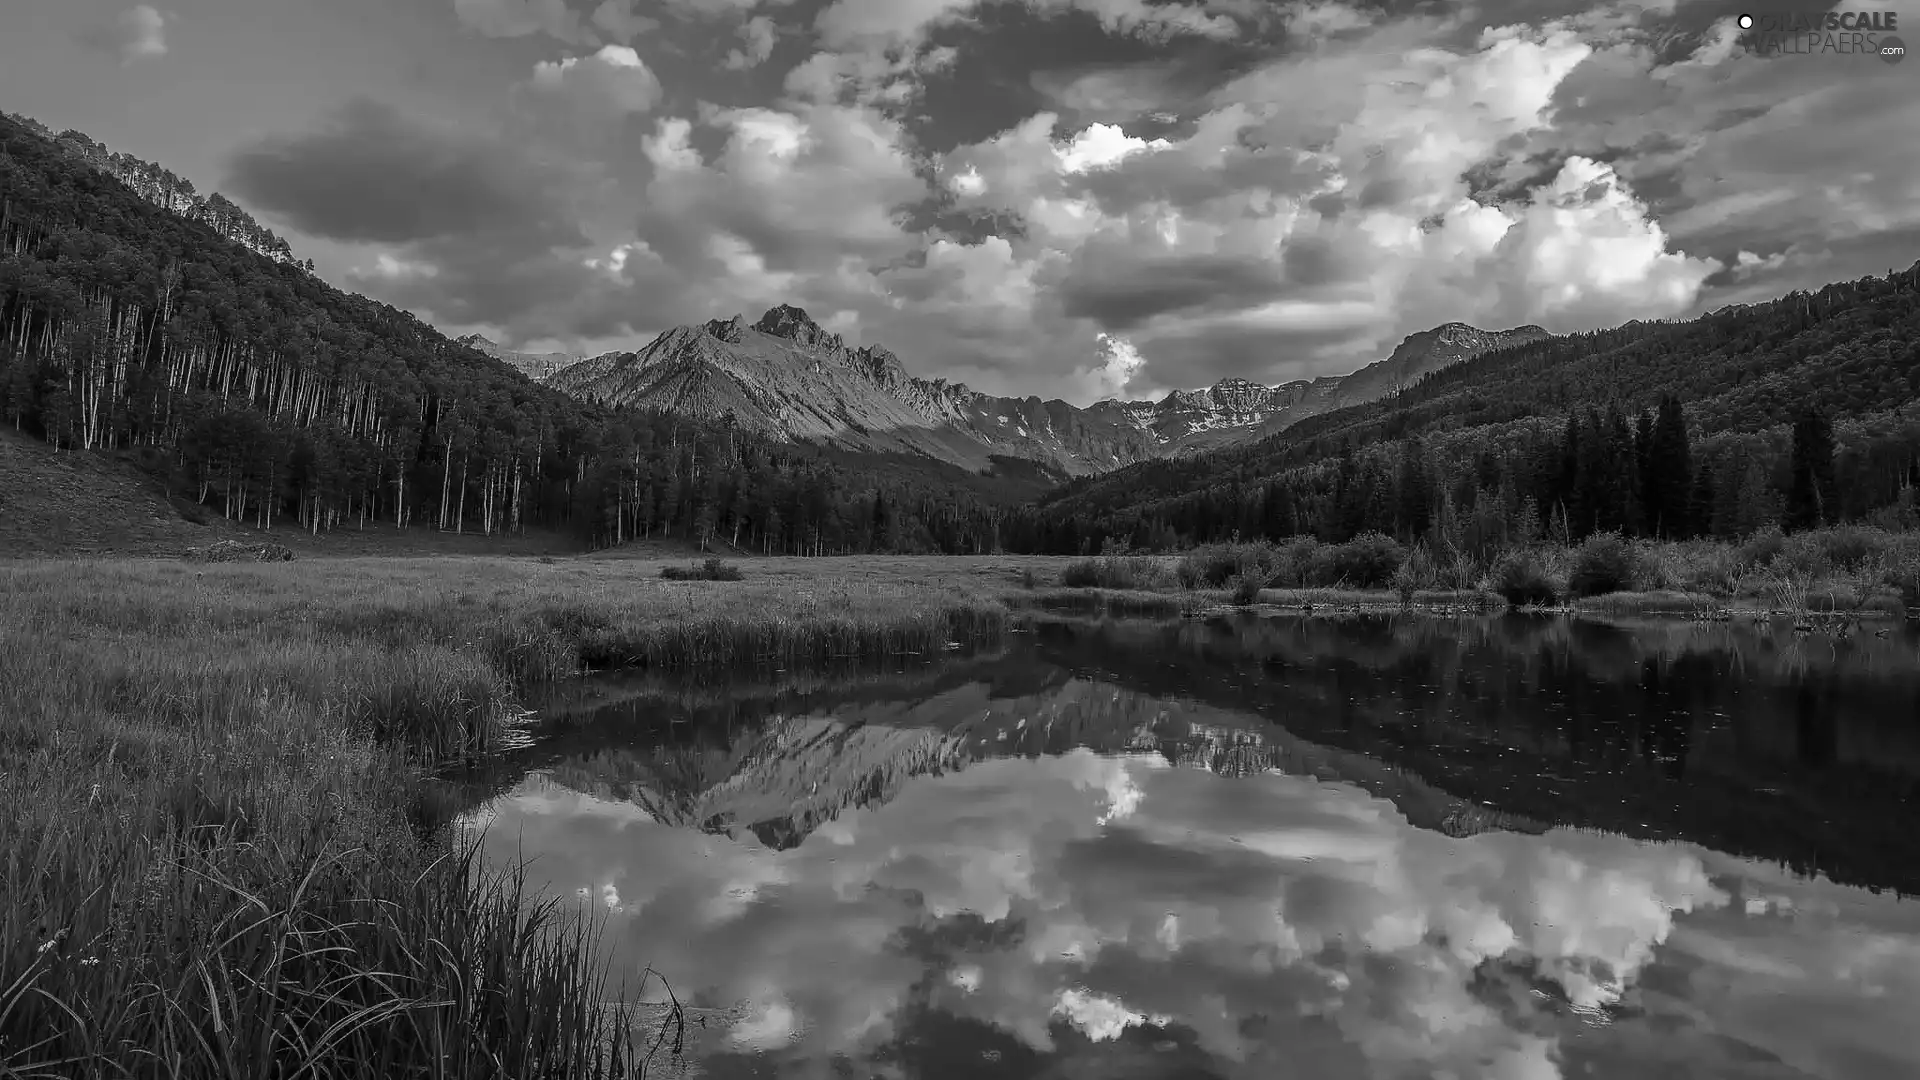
(794, 324)
(475, 341)
(879, 364)
(732, 331)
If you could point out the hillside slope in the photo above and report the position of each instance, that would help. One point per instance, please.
(279, 401)
(1554, 420)
(54, 503)
(536, 366)
(1235, 411)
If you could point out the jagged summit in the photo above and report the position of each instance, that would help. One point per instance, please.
(732, 331)
(788, 377)
(794, 324)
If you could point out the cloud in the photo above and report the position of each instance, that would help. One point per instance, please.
(1155, 21)
(138, 33)
(758, 35)
(368, 173)
(612, 83)
(804, 189)
(617, 20)
(1367, 173)
(1111, 95)
(848, 24)
(519, 18)
(1290, 230)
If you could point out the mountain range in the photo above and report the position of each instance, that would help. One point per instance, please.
(536, 366)
(786, 377)
(329, 407)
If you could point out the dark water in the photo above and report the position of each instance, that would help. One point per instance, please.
(1257, 847)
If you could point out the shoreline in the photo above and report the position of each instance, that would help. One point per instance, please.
(182, 742)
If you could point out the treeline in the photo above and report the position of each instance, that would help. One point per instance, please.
(280, 401)
(1797, 412)
(168, 190)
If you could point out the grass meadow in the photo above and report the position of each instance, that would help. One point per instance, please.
(224, 811)
(224, 845)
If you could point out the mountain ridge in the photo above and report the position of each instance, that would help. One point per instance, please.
(786, 376)
(536, 366)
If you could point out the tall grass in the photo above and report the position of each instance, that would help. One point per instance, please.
(223, 848)
(1119, 572)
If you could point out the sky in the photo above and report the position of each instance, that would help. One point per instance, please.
(1067, 198)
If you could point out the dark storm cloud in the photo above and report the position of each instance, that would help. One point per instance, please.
(371, 174)
(1121, 294)
(532, 294)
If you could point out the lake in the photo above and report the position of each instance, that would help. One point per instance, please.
(1253, 846)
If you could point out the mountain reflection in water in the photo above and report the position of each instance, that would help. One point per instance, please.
(1267, 847)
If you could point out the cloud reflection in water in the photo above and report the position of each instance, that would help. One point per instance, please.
(1294, 927)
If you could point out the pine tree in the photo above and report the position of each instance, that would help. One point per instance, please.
(1669, 477)
(1810, 492)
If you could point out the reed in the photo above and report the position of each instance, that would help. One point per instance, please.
(225, 848)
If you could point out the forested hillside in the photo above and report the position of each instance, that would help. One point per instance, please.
(1796, 412)
(168, 190)
(284, 402)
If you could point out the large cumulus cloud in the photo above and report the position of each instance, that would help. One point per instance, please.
(1381, 171)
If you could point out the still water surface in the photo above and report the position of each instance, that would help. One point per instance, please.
(1384, 847)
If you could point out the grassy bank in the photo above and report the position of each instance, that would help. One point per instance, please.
(224, 852)
(1841, 571)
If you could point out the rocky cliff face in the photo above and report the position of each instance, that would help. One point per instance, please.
(786, 376)
(536, 366)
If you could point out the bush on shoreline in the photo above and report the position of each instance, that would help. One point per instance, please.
(1857, 567)
(713, 569)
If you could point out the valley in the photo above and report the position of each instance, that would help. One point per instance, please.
(841, 585)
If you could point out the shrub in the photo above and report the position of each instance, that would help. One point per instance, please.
(1761, 548)
(1904, 578)
(1318, 569)
(1521, 580)
(1605, 563)
(1463, 571)
(1212, 566)
(714, 569)
(1802, 555)
(1709, 568)
(1414, 574)
(1368, 561)
(1246, 588)
(1115, 572)
(1849, 547)
(1293, 560)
